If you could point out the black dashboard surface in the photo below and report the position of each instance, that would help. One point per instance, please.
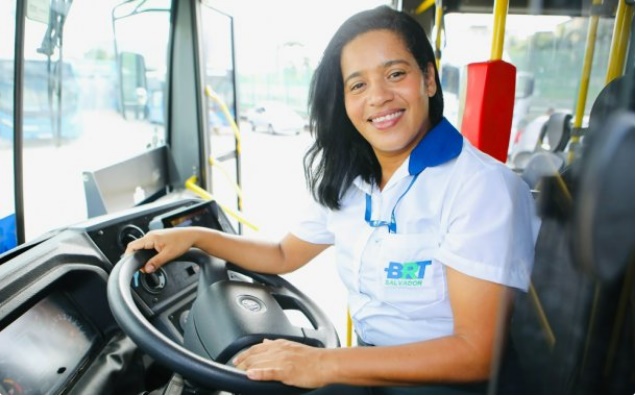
(55, 322)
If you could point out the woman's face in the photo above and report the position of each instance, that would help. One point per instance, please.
(386, 94)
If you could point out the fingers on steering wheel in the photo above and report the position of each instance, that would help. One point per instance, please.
(139, 244)
(155, 262)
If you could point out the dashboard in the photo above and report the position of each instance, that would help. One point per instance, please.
(42, 345)
(57, 334)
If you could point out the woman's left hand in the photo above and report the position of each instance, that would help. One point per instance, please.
(288, 362)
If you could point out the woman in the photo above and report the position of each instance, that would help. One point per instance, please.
(431, 235)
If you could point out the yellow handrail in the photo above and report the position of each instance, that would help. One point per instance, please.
(620, 39)
(349, 329)
(498, 29)
(425, 5)
(191, 184)
(438, 33)
(209, 92)
(590, 44)
(239, 192)
(543, 318)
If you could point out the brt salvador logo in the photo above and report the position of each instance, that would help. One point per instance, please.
(408, 274)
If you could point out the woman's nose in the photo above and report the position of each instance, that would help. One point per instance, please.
(379, 93)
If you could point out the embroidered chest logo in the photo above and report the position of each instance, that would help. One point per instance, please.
(408, 274)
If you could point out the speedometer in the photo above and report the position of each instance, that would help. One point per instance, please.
(11, 387)
(44, 347)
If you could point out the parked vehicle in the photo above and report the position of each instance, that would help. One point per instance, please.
(275, 118)
(51, 108)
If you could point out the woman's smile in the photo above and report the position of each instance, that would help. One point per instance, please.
(385, 121)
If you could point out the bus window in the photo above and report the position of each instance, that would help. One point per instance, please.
(218, 55)
(547, 51)
(74, 116)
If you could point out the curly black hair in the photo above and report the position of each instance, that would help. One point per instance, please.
(339, 153)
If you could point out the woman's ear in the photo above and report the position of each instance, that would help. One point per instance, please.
(429, 79)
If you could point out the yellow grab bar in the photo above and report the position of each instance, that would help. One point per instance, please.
(191, 184)
(209, 92)
(499, 29)
(215, 163)
(620, 39)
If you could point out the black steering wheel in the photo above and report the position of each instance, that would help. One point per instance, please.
(229, 315)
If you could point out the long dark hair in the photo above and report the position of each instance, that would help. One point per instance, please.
(339, 153)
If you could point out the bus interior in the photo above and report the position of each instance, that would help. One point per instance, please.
(119, 117)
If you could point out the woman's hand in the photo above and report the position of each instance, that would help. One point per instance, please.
(289, 362)
(169, 244)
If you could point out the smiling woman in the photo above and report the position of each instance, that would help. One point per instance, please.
(426, 282)
(394, 224)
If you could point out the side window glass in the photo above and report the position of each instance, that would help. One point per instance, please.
(547, 51)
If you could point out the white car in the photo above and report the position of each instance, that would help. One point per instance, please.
(275, 118)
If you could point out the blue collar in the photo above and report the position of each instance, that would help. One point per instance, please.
(441, 144)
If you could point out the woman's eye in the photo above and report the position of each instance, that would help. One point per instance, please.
(356, 86)
(396, 75)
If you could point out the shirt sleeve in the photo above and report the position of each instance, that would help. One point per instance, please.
(491, 228)
(311, 224)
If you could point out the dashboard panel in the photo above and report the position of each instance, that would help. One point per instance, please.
(43, 346)
(56, 328)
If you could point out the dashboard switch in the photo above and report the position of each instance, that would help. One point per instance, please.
(154, 282)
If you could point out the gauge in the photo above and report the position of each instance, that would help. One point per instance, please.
(70, 332)
(10, 386)
(39, 359)
(128, 234)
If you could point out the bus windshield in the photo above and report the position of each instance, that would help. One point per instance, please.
(42, 106)
(74, 117)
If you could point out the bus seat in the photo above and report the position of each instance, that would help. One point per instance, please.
(556, 132)
(540, 165)
(573, 332)
(548, 133)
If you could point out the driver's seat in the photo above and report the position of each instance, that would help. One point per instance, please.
(573, 333)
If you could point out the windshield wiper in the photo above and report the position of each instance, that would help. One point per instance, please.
(53, 38)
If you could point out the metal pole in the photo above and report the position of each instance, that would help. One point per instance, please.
(620, 39)
(18, 107)
(499, 29)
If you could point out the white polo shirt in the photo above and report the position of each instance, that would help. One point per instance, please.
(451, 205)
